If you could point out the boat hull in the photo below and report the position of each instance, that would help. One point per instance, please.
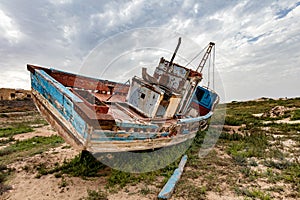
(72, 137)
(85, 129)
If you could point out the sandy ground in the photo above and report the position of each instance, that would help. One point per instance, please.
(25, 185)
(44, 131)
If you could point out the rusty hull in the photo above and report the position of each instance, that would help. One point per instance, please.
(105, 116)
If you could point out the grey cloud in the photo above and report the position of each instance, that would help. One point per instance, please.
(251, 43)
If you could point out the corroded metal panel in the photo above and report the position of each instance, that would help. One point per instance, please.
(171, 77)
(179, 71)
(144, 97)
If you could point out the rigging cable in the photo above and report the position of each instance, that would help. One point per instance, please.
(196, 56)
(214, 58)
(208, 71)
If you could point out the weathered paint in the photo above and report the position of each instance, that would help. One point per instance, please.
(172, 107)
(78, 81)
(194, 119)
(100, 134)
(64, 127)
(59, 97)
(187, 90)
(144, 97)
(164, 134)
(205, 97)
(104, 135)
(126, 139)
(124, 124)
(202, 102)
(169, 187)
(137, 145)
(170, 77)
(136, 124)
(91, 101)
(59, 86)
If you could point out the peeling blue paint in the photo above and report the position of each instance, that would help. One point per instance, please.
(100, 135)
(204, 97)
(164, 134)
(195, 119)
(60, 98)
(169, 187)
(136, 125)
(59, 86)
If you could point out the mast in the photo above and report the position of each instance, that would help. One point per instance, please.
(174, 54)
(205, 57)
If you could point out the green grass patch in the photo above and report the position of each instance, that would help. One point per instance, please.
(6, 141)
(296, 115)
(35, 142)
(95, 195)
(86, 165)
(28, 147)
(14, 130)
(231, 137)
(284, 127)
(186, 190)
(82, 165)
(292, 175)
(4, 173)
(238, 113)
(252, 145)
(253, 193)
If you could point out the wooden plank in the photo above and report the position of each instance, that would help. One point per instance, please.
(108, 136)
(124, 124)
(169, 187)
(59, 97)
(64, 127)
(59, 86)
(137, 145)
(74, 80)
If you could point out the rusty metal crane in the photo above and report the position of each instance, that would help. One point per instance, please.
(205, 57)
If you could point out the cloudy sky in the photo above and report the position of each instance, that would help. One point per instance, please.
(257, 42)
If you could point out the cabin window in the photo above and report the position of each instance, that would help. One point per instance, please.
(199, 94)
(143, 96)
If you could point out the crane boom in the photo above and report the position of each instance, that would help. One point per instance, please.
(204, 59)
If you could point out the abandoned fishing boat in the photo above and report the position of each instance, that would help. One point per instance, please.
(150, 112)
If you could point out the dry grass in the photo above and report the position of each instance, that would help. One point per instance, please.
(251, 160)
